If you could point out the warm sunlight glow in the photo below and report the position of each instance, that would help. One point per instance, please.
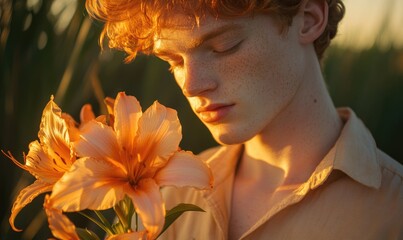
(119, 160)
(47, 160)
(62, 11)
(135, 155)
(371, 22)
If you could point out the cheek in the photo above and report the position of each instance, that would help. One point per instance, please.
(274, 68)
(179, 77)
(194, 103)
(255, 71)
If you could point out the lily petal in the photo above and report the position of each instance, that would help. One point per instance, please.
(129, 236)
(97, 140)
(54, 133)
(160, 133)
(127, 111)
(59, 224)
(90, 183)
(72, 125)
(86, 114)
(110, 103)
(185, 170)
(149, 205)
(26, 196)
(40, 165)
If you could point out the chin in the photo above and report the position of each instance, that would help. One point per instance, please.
(229, 137)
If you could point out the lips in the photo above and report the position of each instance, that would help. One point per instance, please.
(213, 112)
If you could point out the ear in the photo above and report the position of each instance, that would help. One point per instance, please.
(315, 14)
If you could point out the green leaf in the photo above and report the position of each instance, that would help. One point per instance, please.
(129, 209)
(124, 210)
(86, 234)
(105, 228)
(118, 228)
(104, 221)
(174, 213)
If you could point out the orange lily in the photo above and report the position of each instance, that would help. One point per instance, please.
(47, 160)
(50, 157)
(135, 157)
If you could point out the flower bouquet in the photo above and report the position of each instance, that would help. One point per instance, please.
(115, 161)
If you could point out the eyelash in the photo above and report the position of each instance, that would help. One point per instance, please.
(229, 50)
(175, 64)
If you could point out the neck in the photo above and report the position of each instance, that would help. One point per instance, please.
(299, 137)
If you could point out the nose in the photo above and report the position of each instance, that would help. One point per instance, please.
(196, 78)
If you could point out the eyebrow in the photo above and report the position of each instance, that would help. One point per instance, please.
(210, 35)
(215, 33)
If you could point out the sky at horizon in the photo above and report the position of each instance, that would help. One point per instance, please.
(371, 21)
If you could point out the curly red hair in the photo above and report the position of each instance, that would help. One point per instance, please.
(131, 25)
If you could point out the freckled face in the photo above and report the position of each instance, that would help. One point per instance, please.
(237, 74)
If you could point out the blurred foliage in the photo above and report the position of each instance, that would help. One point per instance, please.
(50, 48)
(370, 82)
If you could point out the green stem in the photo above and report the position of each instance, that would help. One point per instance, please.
(129, 209)
(137, 221)
(121, 216)
(106, 229)
(104, 221)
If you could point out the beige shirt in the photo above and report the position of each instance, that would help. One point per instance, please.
(356, 192)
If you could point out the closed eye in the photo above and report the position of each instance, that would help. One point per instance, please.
(230, 49)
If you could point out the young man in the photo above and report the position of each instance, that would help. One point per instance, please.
(292, 166)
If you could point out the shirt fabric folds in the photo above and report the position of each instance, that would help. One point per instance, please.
(356, 192)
